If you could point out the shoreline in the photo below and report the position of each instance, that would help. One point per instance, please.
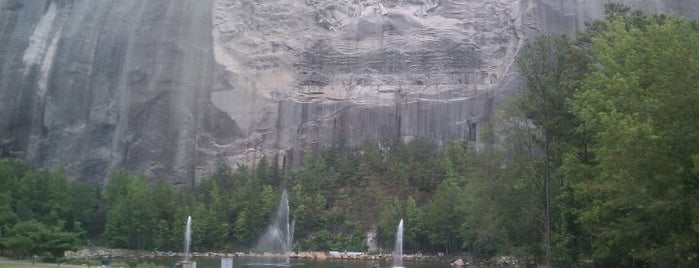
(301, 255)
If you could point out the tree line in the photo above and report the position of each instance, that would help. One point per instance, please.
(596, 161)
(606, 138)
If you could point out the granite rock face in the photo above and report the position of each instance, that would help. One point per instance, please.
(96, 85)
(170, 87)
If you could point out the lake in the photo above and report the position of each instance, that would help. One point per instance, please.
(248, 262)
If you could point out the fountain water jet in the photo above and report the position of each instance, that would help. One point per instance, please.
(279, 235)
(187, 238)
(398, 251)
(186, 263)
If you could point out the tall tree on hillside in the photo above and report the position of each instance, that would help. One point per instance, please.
(443, 216)
(165, 203)
(11, 172)
(552, 68)
(640, 103)
(131, 215)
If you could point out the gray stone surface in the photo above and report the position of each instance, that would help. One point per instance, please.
(169, 87)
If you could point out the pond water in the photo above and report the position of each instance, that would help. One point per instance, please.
(247, 262)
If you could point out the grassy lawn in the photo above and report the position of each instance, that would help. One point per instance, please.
(4, 263)
(28, 264)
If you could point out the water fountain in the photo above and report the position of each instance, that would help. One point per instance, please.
(398, 251)
(186, 263)
(278, 238)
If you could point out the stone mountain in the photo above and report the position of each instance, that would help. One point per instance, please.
(170, 87)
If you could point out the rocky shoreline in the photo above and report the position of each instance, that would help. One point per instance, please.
(315, 255)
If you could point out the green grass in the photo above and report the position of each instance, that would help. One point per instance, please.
(28, 264)
(93, 264)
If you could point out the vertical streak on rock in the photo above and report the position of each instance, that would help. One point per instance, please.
(19, 20)
(196, 76)
(120, 140)
(97, 114)
(37, 57)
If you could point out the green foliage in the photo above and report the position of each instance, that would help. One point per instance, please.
(41, 211)
(640, 104)
(415, 233)
(11, 172)
(608, 151)
(391, 214)
(553, 69)
(337, 196)
(443, 217)
(131, 214)
(84, 202)
(35, 238)
(308, 209)
(541, 128)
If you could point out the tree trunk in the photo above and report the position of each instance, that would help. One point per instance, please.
(547, 202)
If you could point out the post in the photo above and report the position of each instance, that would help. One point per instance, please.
(226, 262)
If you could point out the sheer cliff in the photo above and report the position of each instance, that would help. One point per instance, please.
(170, 87)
